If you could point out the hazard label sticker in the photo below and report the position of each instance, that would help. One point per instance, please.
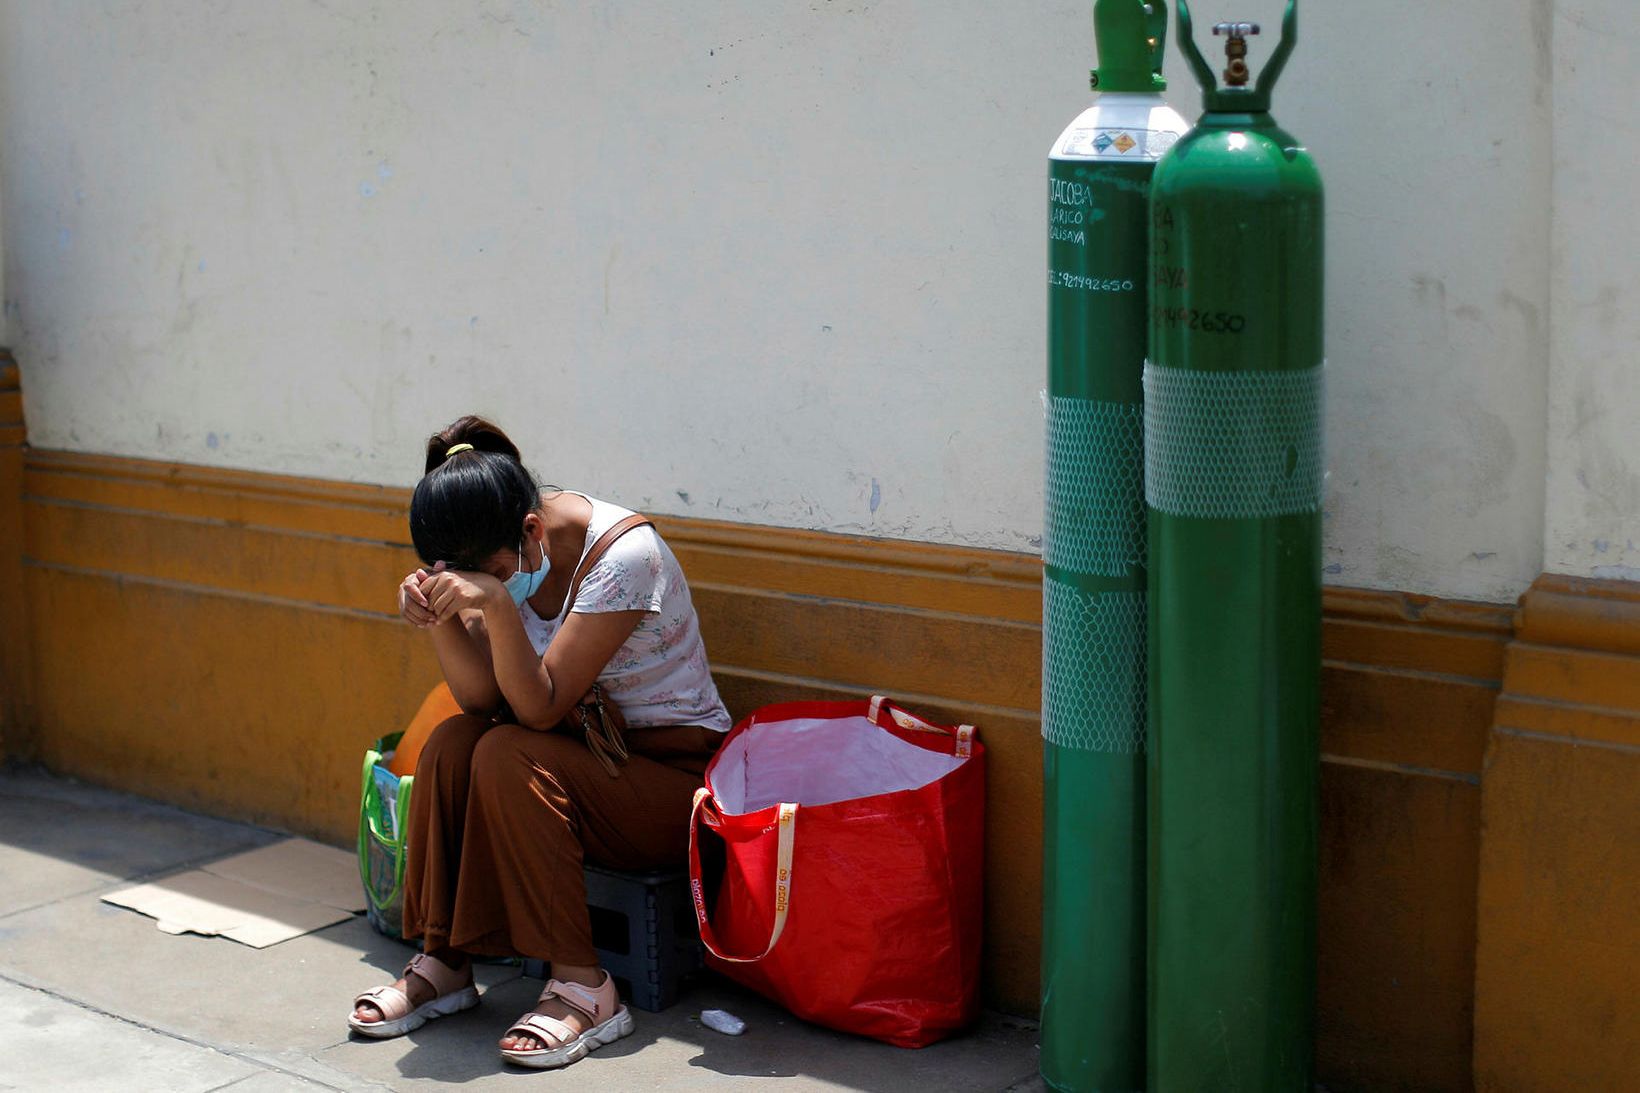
(1116, 143)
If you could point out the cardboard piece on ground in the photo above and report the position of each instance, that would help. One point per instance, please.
(259, 898)
(300, 868)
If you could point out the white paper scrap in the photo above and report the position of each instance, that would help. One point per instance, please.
(722, 1021)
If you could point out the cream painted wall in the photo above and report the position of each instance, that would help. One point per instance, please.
(1594, 393)
(1431, 127)
(770, 262)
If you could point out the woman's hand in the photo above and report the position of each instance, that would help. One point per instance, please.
(448, 592)
(412, 603)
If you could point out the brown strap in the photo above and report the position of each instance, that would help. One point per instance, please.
(599, 721)
(604, 728)
(599, 549)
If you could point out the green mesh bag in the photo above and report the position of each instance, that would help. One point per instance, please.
(384, 812)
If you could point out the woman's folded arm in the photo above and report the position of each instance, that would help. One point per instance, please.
(541, 690)
(463, 650)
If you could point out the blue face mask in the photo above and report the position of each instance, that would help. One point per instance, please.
(522, 584)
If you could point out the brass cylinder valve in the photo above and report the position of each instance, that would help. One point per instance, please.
(1236, 72)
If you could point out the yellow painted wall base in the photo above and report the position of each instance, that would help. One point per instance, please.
(1408, 686)
(226, 641)
(1557, 977)
(15, 717)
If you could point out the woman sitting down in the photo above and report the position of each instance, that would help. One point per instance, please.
(512, 796)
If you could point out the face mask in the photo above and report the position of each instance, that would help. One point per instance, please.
(522, 585)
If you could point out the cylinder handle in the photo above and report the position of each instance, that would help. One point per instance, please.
(1131, 37)
(1236, 96)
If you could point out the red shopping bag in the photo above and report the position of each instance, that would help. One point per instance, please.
(852, 881)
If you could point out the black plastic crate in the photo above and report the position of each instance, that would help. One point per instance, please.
(643, 926)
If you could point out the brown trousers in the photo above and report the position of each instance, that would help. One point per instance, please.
(502, 818)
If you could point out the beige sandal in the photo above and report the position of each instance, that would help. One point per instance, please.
(602, 1006)
(454, 993)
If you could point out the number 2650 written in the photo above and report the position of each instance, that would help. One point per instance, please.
(1208, 322)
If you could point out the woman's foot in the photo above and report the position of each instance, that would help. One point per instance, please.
(430, 987)
(555, 1008)
(571, 1019)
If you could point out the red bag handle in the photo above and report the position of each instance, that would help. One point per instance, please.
(782, 879)
(884, 712)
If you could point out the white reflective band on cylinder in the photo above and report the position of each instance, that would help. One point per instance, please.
(1233, 445)
(1093, 668)
(1095, 521)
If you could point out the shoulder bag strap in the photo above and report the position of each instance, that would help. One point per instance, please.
(599, 549)
(600, 720)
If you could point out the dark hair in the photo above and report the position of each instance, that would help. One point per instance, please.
(471, 504)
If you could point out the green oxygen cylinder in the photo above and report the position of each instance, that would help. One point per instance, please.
(1093, 545)
(1233, 484)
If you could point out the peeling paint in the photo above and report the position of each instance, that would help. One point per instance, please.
(1617, 572)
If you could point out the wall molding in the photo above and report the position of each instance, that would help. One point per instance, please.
(1559, 941)
(1409, 683)
(16, 716)
(926, 576)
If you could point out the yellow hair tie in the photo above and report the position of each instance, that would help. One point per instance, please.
(452, 450)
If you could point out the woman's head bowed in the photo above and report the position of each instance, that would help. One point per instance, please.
(473, 498)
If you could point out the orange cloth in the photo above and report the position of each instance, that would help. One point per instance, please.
(437, 708)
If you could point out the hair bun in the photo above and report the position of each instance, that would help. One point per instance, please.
(468, 432)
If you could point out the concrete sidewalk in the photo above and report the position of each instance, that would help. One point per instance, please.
(94, 997)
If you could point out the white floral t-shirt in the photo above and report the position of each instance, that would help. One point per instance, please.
(659, 676)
